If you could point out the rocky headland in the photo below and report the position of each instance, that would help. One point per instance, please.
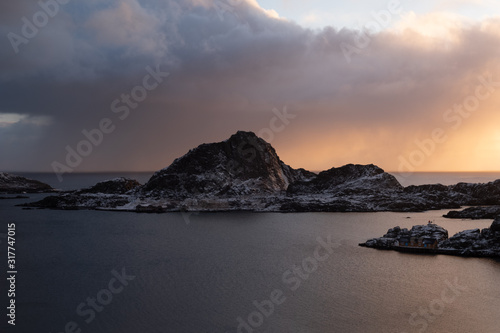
(13, 184)
(244, 172)
(475, 213)
(108, 194)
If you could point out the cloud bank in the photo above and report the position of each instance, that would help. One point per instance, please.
(230, 63)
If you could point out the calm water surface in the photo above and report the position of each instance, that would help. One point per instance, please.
(204, 273)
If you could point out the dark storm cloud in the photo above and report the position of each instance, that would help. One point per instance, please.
(229, 66)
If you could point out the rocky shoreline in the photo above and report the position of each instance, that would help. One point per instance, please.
(433, 239)
(449, 252)
(244, 173)
(13, 184)
(475, 213)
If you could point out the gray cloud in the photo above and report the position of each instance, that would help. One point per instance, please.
(226, 74)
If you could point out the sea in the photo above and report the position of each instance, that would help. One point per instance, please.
(240, 272)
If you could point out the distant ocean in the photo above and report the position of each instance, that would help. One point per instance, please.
(445, 178)
(240, 272)
(75, 181)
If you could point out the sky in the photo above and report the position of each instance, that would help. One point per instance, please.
(130, 85)
(317, 14)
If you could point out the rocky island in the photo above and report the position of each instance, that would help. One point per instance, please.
(13, 184)
(475, 213)
(104, 195)
(244, 172)
(433, 239)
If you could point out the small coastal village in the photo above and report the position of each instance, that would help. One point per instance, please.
(433, 239)
(427, 243)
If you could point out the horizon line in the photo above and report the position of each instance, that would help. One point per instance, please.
(315, 171)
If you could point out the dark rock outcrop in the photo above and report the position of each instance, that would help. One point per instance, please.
(107, 194)
(242, 165)
(495, 226)
(484, 243)
(120, 185)
(439, 196)
(13, 184)
(469, 243)
(485, 194)
(348, 179)
(245, 173)
(475, 213)
(417, 233)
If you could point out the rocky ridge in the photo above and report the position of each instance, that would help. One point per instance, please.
(242, 165)
(393, 235)
(475, 213)
(245, 173)
(13, 184)
(108, 194)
